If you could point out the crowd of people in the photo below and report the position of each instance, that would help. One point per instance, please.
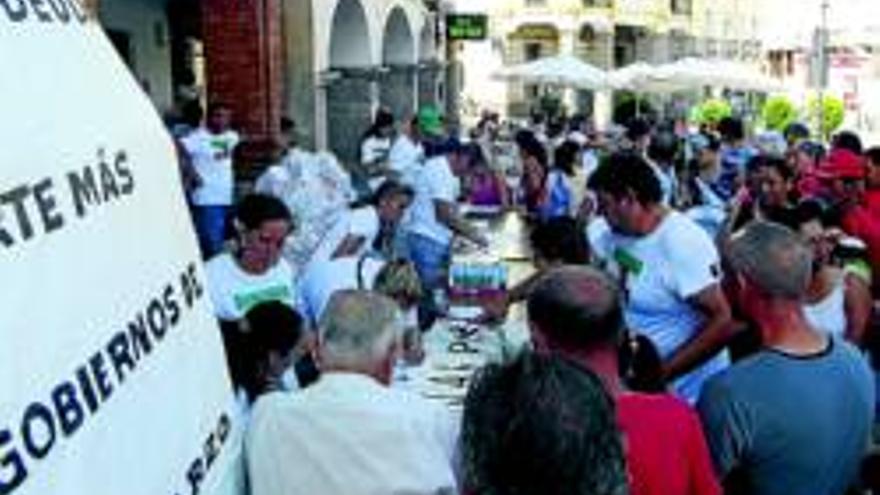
(702, 311)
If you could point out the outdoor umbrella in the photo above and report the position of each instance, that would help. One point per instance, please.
(560, 70)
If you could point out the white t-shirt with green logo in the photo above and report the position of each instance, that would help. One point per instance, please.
(234, 292)
(659, 272)
(211, 156)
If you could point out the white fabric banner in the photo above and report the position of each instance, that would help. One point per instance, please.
(112, 374)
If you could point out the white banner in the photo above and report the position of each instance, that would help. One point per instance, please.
(112, 374)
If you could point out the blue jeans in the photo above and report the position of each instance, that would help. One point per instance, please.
(210, 223)
(431, 260)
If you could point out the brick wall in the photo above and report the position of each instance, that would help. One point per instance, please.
(243, 54)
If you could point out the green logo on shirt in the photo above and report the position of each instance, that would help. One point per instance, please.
(627, 262)
(244, 302)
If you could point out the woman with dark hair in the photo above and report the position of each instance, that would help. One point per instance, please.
(376, 147)
(486, 187)
(272, 346)
(547, 192)
(252, 272)
(838, 302)
(556, 242)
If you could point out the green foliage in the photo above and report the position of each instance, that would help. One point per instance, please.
(711, 111)
(625, 107)
(778, 112)
(833, 112)
(550, 105)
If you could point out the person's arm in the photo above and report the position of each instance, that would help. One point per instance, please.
(503, 190)
(728, 426)
(495, 309)
(703, 480)
(448, 216)
(708, 340)
(188, 173)
(349, 246)
(858, 305)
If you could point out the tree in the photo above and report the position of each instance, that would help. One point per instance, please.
(833, 113)
(628, 105)
(711, 111)
(778, 112)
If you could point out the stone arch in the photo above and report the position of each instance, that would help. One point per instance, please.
(398, 43)
(429, 69)
(349, 36)
(427, 41)
(397, 90)
(349, 94)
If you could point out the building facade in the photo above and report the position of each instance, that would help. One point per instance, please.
(329, 64)
(610, 34)
(853, 56)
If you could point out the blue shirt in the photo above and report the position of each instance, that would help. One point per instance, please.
(559, 198)
(733, 165)
(795, 425)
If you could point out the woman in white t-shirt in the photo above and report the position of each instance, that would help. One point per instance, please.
(253, 271)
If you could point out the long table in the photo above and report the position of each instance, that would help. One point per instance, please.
(456, 349)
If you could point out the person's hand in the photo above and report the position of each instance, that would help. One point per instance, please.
(494, 309)
(480, 240)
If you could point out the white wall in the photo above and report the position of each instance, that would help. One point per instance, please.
(146, 23)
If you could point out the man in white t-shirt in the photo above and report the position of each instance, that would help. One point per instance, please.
(368, 228)
(350, 433)
(669, 271)
(407, 154)
(210, 150)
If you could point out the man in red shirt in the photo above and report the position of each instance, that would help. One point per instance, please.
(872, 193)
(575, 312)
(845, 174)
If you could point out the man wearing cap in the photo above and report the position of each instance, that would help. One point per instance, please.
(845, 172)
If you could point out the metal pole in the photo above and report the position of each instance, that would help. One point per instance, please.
(823, 67)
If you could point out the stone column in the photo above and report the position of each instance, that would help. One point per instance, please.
(397, 89)
(243, 56)
(301, 84)
(568, 46)
(349, 103)
(603, 101)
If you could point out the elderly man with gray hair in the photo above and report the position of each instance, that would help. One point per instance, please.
(795, 417)
(350, 433)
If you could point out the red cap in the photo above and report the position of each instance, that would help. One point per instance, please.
(842, 164)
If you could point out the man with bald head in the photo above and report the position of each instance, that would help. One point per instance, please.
(350, 433)
(795, 417)
(575, 312)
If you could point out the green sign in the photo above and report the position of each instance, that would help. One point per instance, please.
(473, 27)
